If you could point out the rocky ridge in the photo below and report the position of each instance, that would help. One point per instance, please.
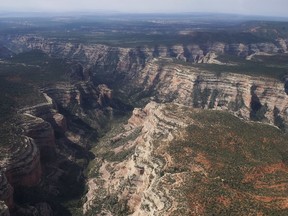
(4, 211)
(51, 141)
(140, 70)
(23, 167)
(252, 98)
(155, 167)
(134, 181)
(106, 56)
(35, 143)
(6, 192)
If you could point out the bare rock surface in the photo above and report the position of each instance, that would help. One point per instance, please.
(161, 164)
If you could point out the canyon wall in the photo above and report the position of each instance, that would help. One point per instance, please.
(4, 211)
(134, 182)
(256, 98)
(6, 191)
(49, 138)
(130, 58)
(23, 166)
(169, 159)
(139, 72)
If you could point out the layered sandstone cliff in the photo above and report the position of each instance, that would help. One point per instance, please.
(116, 57)
(93, 105)
(133, 181)
(43, 135)
(172, 159)
(23, 166)
(51, 140)
(250, 97)
(32, 144)
(134, 72)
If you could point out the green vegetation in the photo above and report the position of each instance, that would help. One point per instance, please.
(22, 76)
(20, 80)
(271, 68)
(244, 164)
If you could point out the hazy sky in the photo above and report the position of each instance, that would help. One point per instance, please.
(255, 7)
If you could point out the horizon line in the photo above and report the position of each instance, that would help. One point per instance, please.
(46, 13)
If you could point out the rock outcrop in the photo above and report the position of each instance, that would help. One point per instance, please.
(43, 135)
(23, 167)
(256, 98)
(6, 192)
(110, 58)
(132, 181)
(83, 94)
(159, 164)
(4, 211)
(32, 146)
(134, 70)
(48, 111)
(41, 122)
(94, 105)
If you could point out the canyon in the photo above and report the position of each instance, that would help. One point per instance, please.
(46, 140)
(149, 132)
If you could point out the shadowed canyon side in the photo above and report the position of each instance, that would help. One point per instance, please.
(32, 147)
(49, 143)
(6, 192)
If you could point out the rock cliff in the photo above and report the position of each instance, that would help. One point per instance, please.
(6, 192)
(132, 179)
(4, 211)
(51, 141)
(43, 135)
(139, 70)
(22, 160)
(31, 148)
(23, 166)
(108, 57)
(249, 97)
(171, 159)
(93, 105)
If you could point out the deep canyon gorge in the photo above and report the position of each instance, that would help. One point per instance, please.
(149, 130)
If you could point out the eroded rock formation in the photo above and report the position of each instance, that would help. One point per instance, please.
(156, 167)
(133, 181)
(6, 191)
(23, 166)
(110, 58)
(52, 141)
(134, 70)
(4, 211)
(246, 96)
